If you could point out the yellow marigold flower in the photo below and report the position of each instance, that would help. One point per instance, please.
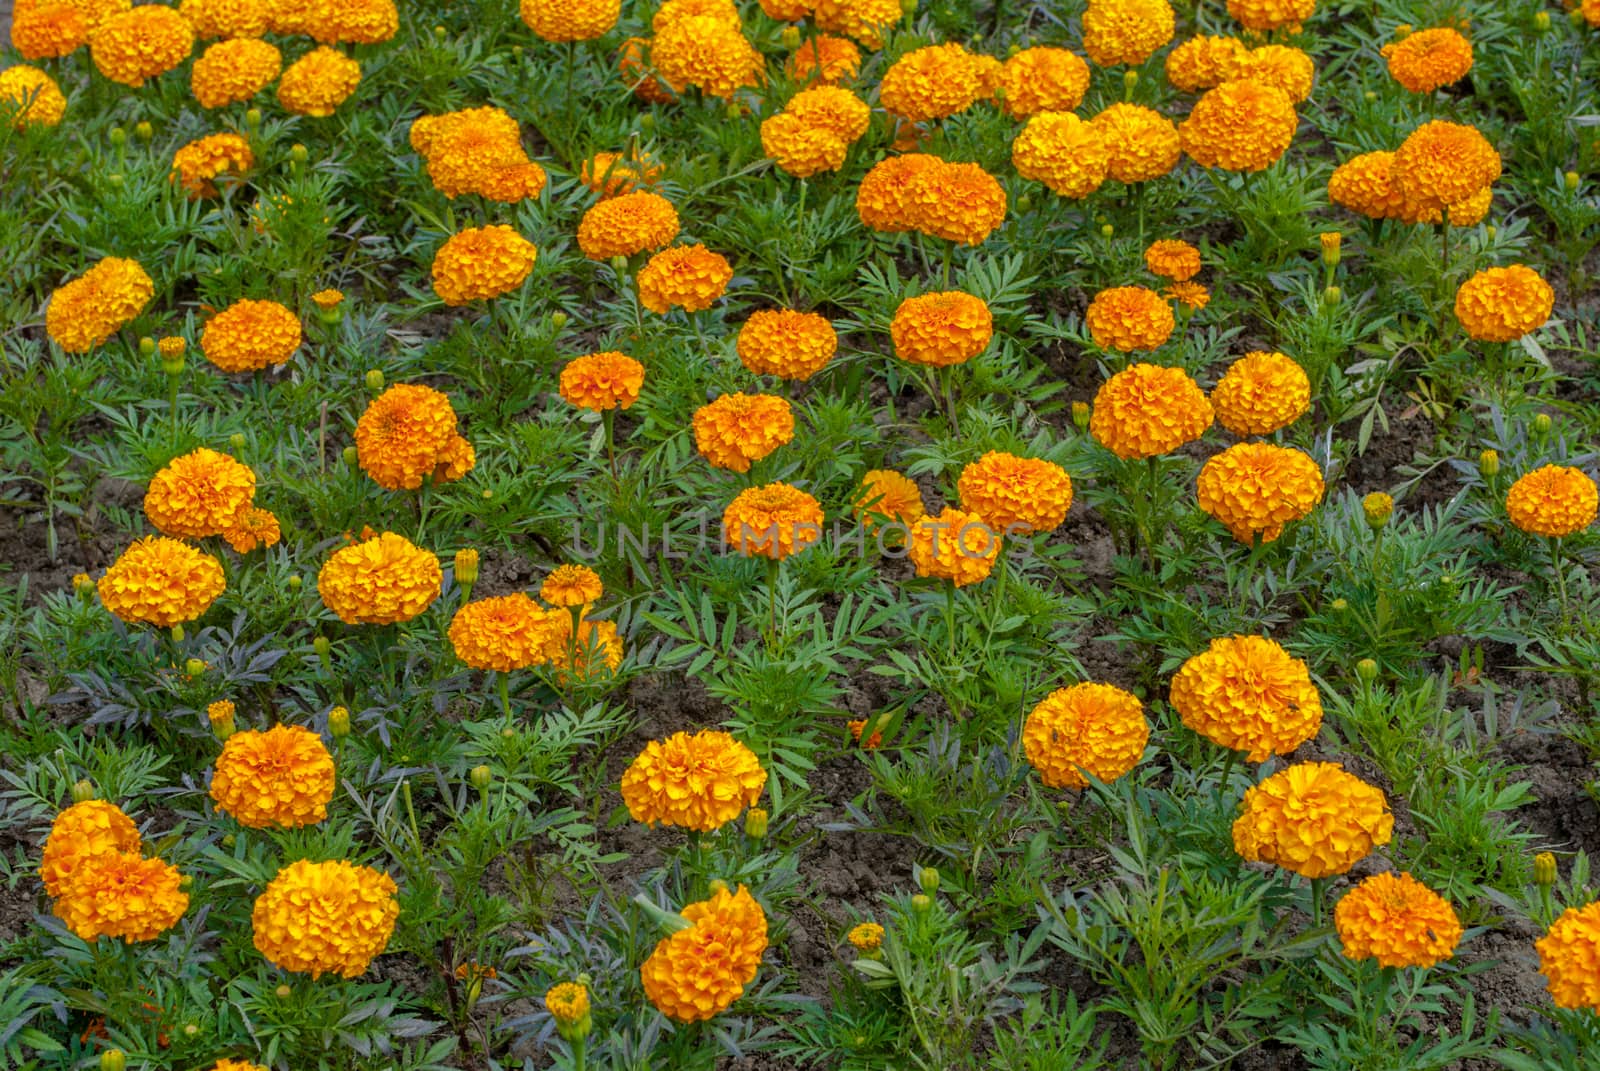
(199, 494)
(1280, 66)
(836, 110)
(570, 20)
(1172, 258)
(800, 148)
(1553, 501)
(1095, 727)
(280, 778)
(88, 310)
(478, 150)
(172, 347)
(957, 202)
(1241, 125)
(1067, 154)
(786, 343)
(940, 329)
(737, 429)
(1261, 393)
(48, 30)
(325, 918)
(597, 648)
(1142, 143)
(1362, 184)
(1254, 489)
(408, 434)
(690, 277)
(232, 71)
(700, 782)
(381, 581)
(672, 11)
(96, 13)
(1016, 494)
(1202, 63)
(696, 973)
(627, 225)
(1129, 319)
(356, 22)
(883, 200)
(866, 936)
(1378, 508)
(601, 381)
(1248, 694)
(248, 336)
(1312, 818)
(198, 164)
(886, 494)
(956, 545)
(611, 173)
(1398, 921)
(30, 96)
(1444, 163)
(84, 830)
(567, 1003)
(221, 713)
(1126, 31)
(1430, 59)
(227, 18)
(225, 1064)
(786, 10)
(864, 20)
(162, 582)
(930, 83)
(506, 633)
(706, 52)
(1146, 410)
(327, 300)
(1263, 16)
(828, 59)
(1569, 957)
(571, 585)
(318, 82)
(118, 894)
(773, 521)
(1503, 304)
(481, 263)
(1043, 80)
(141, 43)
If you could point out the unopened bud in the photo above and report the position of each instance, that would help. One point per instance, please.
(144, 131)
(147, 346)
(928, 879)
(294, 581)
(481, 777)
(1080, 414)
(755, 823)
(717, 885)
(82, 585)
(252, 118)
(178, 634)
(619, 264)
(194, 667)
(1544, 870)
(1489, 463)
(1330, 247)
(1130, 78)
(1340, 605)
(1492, 231)
(374, 380)
(350, 455)
(440, 32)
(1369, 96)
(1107, 230)
(283, 992)
(1378, 507)
(921, 903)
(558, 320)
(237, 440)
(908, 7)
(1025, 202)
(1572, 179)
(1541, 22)
(190, 1029)
(466, 570)
(113, 1060)
(647, 122)
(221, 716)
(1575, 16)
(119, 136)
(516, 51)
(82, 791)
(338, 723)
(790, 37)
(1541, 424)
(1332, 296)
(299, 153)
(115, 180)
(1367, 670)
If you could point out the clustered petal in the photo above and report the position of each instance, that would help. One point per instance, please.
(700, 782)
(1249, 694)
(1312, 818)
(1095, 727)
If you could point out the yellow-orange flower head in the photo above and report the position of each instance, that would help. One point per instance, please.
(672, 11)
(601, 381)
(1398, 921)
(162, 582)
(1141, 143)
(1254, 489)
(1444, 163)
(886, 494)
(1279, 66)
(1146, 410)
(318, 82)
(325, 918)
(356, 22)
(700, 782)
(118, 894)
(481, 263)
(689, 277)
(1093, 727)
(1043, 80)
(836, 110)
(380, 581)
(197, 165)
(1241, 125)
(141, 43)
(957, 202)
(1429, 59)
(1261, 393)
(956, 545)
(249, 336)
(696, 973)
(477, 150)
(1202, 63)
(280, 778)
(737, 429)
(29, 96)
(1553, 501)
(1263, 16)
(48, 30)
(227, 18)
(611, 173)
(708, 53)
(232, 71)
(786, 343)
(1569, 957)
(800, 148)
(1129, 319)
(408, 434)
(829, 59)
(941, 329)
(930, 83)
(1193, 295)
(864, 20)
(1248, 694)
(1313, 819)
(1362, 184)
(1016, 494)
(251, 528)
(623, 226)
(570, 20)
(505, 633)
(1067, 154)
(883, 201)
(1503, 304)
(1172, 258)
(88, 310)
(84, 830)
(773, 521)
(571, 586)
(199, 494)
(1126, 31)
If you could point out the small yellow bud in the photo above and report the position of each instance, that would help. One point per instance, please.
(194, 667)
(177, 637)
(322, 645)
(1492, 231)
(220, 714)
(928, 879)
(619, 264)
(1489, 463)
(190, 1029)
(144, 131)
(1332, 296)
(252, 118)
(1541, 424)
(1378, 507)
(1369, 96)
(1541, 22)
(237, 440)
(299, 153)
(921, 903)
(283, 992)
(516, 51)
(755, 823)
(119, 136)
(294, 582)
(466, 568)
(481, 777)
(1573, 180)
(113, 1060)
(1367, 670)
(338, 723)
(115, 180)
(1575, 16)
(558, 320)
(82, 791)
(1340, 605)
(717, 885)
(440, 32)
(1025, 202)
(1130, 78)
(908, 7)
(1107, 230)
(1544, 870)
(1330, 241)
(147, 347)
(790, 37)
(351, 457)
(82, 585)
(1080, 414)
(374, 380)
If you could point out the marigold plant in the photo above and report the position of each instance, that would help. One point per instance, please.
(141, 43)
(505, 633)
(786, 343)
(957, 202)
(197, 165)
(826, 58)
(1129, 319)
(1067, 154)
(380, 581)
(232, 71)
(42, 31)
(1043, 80)
(199, 494)
(1016, 494)
(1202, 63)
(1097, 728)
(160, 581)
(883, 200)
(90, 828)
(955, 545)
(1126, 31)
(120, 894)
(1146, 410)
(884, 493)
(30, 97)
(697, 972)
(1312, 818)
(624, 226)
(1141, 143)
(1241, 125)
(707, 53)
(570, 20)
(930, 83)
(318, 82)
(1429, 59)
(1441, 164)
(87, 311)
(1260, 393)
(1398, 921)
(1264, 16)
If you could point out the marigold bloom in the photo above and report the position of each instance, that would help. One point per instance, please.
(380, 581)
(200, 163)
(1129, 319)
(1261, 393)
(689, 277)
(48, 30)
(505, 633)
(1444, 163)
(940, 329)
(866, 936)
(672, 11)
(883, 201)
(227, 18)
(706, 52)
(830, 60)
(251, 528)
(957, 202)
(1429, 59)
(408, 434)
(800, 148)
(162, 582)
(611, 173)
(1280, 66)
(700, 782)
(601, 381)
(737, 429)
(1016, 494)
(1312, 818)
(1569, 957)
(1362, 184)
(481, 263)
(88, 310)
(1126, 31)
(1146, 410)
(232, 71)
(571, 585)
(280, 778)
(118, 894)
(1202, 63)
(356, 22)
(570, 20)
(1254, 489)
(786, 10)
(1241, 125)
(884, 493)
(318, 82)
(956, 545)
(325, 918)
(90, 828)
(696, 973)
(1067, 154)
(248, 336)
(836, 110)
(1553, 501)
(30, 96)
(1172, 258)
(1503, 304)
(773, 521)
(930, 83)
(1248, 694)
(327, 300)
(199, 494)
(858, 727)
(626, 225)
(864, 20)
(1141, 143)
(567, 1003)
(786, 343)
(478, 151)
(1263, 16)
(1043, 80)
(1095, 727)
(141, 43)
(1398, 921)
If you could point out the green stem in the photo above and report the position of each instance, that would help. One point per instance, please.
(1318, 891)
(772, 600)
(950, 615)
(1561, 581)
(503, 687)
(609, 418)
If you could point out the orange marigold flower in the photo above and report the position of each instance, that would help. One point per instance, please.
(162, 582)
(672, 11)
(864, 20)
(836, 110)
(866, 937)
(1202, 63)
(883, 200)
(1043, 80)
(786, 10)
(1248, 694)
(1254, 489)
(1590, 10)
(611, 173)
(1016, 494)
(225, 1064)
(232, 71)
(88, 310)
(1553, 501)
(281, 778)
(930, 83)
(1263, 16)
(199, 494)
(786, 343)
(1280, 66)
(1398, 921)
(506, 633)
(198, 164)
(356, 22)
(118, 894)
(1146, 410)
(1192, 295)
(141, 43)
(408, 434)
(325, 918)
(737, 429)
(1126, 31)
(1362, 184)
(1503, 304)
(30, 96)
(1261, 393)
(601, 381)
(829, 59)
(568, 1004)
(700, 782)
(318, 82)
(1430, 59)
(1313, 819)
(1129, 319)
(1241, 125)
(570, 20)
(1141, 143)
(481, 263)
(227, 18)
(248, 336)
(627, 225)
(956, 545)
(940, 329)
(706, 52)
(800, 148)
(477, 150)
(1173, 258)
(1067, 154)
(571, 585)
(773, 521)
(957, 202)
(633, 63)
(252, 528)
(884, 494)
(1569, 957)
(697, 972)
(381, 581)
(1095, 727)
(1444, 163)
(48, 30)
(689, 277)
(84, 830)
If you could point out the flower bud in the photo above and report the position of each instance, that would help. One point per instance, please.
(1489, 463)
(229, 840)
(1541, 22)
(1107, 230)
(147, 347)
(1367, 670)
(177, 636)
(338, 723)
(481, 777)
(440, 32)
(516, 51)
(647, 122)
(1492, 231)
(115, 180)
(283, 992)
(1544, 870)
(558, 320)
(190, 1029)
(119, 136)
(1378, 507)
(755, 823)
(1332, 296)
(374, 380)
(466, 570)
(220, 714)
(113, 1060)
(1575, 16)
(298, 153)
(82, 585)
(717, 885)
(144, 131)
(1080, 414)
(351, 457)
(908, 7)
(294, 582)
(921, 903)
(928, 879)
(1339, 605)
(790, 37)
(1330, 247)
(1572, 180)
(194, 667)
(619, 264)
(1130, 78)
(237, 440)
(1541, 424)
(82, 791)
(322, 646)
(1024, 202)
(252, 118)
